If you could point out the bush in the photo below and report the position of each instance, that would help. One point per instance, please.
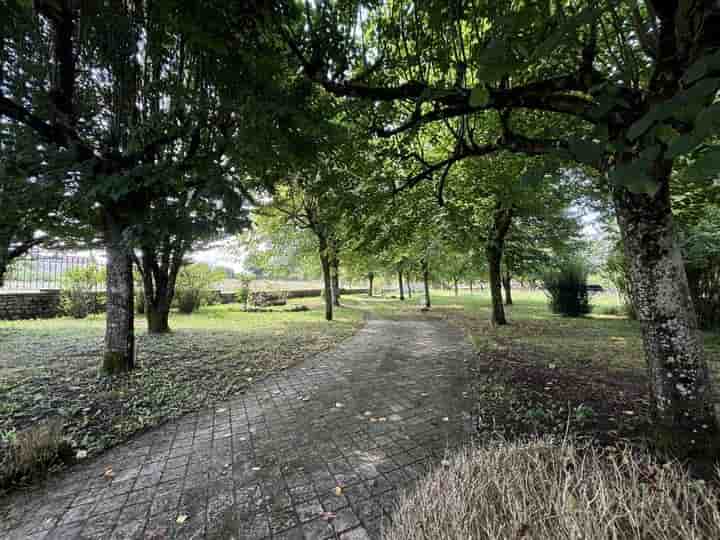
(80, 286)
(540, 490)
(193, 285)
(188, 300)
(567, 290)
(32, 452)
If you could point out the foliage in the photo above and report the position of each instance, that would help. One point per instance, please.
(701, 250)
(32, 453)
(194, 282)
(616, 270)
(567, 289)
(48, 369)
(80, 290)
(490, 491)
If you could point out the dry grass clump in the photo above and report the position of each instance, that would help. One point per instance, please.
(544, 491)
(32, 452)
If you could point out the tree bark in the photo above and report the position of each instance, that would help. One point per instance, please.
(327, 277)
(494, 257)
(335, 268)
(426, 282)
(408, 284)
(678, 371)
(455, 285)
(471, 287)
(400, 282)
(371, 277)
(507, 285)
(119, 353)
(502, 218)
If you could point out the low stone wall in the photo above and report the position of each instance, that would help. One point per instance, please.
(42, 304)
(45, 303)
(29, 304)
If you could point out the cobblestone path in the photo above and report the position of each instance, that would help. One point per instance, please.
(318, 451)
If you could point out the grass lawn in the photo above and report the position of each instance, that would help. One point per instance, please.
(544, 373)
(49, 368)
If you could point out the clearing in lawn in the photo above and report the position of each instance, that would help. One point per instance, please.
(548, 374)
(49, 370)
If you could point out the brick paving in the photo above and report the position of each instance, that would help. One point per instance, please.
(368, 417)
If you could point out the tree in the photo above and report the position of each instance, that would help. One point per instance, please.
(176, 225)
(639, 82)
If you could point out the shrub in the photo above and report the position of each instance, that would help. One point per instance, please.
(540, 490)
(616, 270)
(80, 286)
(188, 300)
(193, 285)
(32, 452)
(567, 290)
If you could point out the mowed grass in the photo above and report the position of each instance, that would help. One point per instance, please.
(49, 368)
(547, 374)
(603, 341)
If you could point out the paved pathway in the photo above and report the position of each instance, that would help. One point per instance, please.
(368, 417)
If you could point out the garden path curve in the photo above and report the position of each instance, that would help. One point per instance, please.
(368, 417)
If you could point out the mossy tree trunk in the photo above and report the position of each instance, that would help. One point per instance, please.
(678, 370)
(119, 353)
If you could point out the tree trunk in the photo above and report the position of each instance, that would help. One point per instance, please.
(426, 282)
(455, 284)
(507, 285)
(119, 331)
(400, 282)
(158, 316)
(327, 277)
(498, 312)
(335, 267)
(502, 219)
(408, 284)
(471, 287)
(371, 277)
(678, 371)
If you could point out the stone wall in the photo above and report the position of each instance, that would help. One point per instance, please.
(29, 304)
(42, 304)
(45, 303)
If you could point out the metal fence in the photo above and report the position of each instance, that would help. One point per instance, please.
(43, 270)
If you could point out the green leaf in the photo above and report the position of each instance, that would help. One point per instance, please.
(635, 176)
(479, 96)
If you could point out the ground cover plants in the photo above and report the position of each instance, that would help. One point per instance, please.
(49, 377)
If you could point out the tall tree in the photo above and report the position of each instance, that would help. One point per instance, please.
(638, 80)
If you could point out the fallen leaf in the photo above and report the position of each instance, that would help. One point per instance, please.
(81, 454)
(338, 491)
(182, 518)
(109, 473)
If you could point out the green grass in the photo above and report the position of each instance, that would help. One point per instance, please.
(49, 368)
(608, 341)
(544, 373)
